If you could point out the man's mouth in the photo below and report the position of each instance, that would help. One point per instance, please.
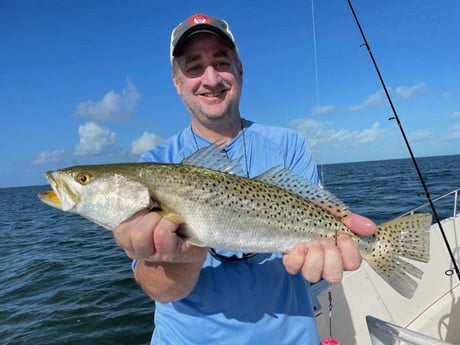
(213, 94)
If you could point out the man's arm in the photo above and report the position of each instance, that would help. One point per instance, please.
(167, 268)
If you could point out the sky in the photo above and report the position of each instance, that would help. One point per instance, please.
(89, 82)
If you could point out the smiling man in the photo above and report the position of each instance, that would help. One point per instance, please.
(208, 296)
(208, 75)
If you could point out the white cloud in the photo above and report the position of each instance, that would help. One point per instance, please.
(322, 109)
(321, 134)
(113, 107)
(312, 130)
(420, 135)
(455, 115)
(145, 142)
(450, 95)
(454, 132)
(94, 140)
(45, 157)
(406, 92)
(376, 98)
(368, 135)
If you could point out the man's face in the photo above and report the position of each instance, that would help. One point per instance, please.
(208, 77)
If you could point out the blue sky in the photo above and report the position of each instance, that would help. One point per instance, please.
(86, 82)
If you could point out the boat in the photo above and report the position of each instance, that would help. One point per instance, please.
(432, 313)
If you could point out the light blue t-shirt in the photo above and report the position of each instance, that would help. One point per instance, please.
(252, 300)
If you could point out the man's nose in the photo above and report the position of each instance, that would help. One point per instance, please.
(211, 76)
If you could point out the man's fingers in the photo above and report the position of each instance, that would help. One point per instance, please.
(359, 224)
(351, 257)
(146, 234)
(294, 260)
(312, 269)
(165, 238)
(333, 266)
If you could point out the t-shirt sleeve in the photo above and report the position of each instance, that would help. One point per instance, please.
(300, 159)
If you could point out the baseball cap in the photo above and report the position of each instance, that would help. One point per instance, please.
(200, 23)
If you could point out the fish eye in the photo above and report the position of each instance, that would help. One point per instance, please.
(83, 178)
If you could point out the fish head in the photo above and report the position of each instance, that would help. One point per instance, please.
(105, 194)
(65, 194)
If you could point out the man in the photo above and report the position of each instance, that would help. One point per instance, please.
(216, 297)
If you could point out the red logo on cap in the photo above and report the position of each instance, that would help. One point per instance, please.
(199, 19)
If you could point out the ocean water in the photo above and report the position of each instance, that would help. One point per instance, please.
(63, 280)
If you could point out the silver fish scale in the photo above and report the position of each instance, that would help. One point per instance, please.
(228, 212)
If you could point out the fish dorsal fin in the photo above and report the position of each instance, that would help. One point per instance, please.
(214, 157)
(285, 179)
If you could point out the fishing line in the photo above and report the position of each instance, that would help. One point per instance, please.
(315, 60)
(414, 161)
(329, 340)
(315, 57)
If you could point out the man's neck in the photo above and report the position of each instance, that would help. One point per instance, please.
(221, 132)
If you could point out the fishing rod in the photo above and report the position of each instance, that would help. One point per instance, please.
(396, 118)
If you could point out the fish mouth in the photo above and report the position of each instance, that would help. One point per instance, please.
(61, 196)
(50, 198)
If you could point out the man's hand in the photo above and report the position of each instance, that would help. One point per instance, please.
(168, 267)
(328, 260)
(150, 237)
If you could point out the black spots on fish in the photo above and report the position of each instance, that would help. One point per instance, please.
(253, 201)
(382, 250)
(387, 267)
(326, 204)
(206, 188)
(394, 242)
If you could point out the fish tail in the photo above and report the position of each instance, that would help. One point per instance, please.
(394, 241)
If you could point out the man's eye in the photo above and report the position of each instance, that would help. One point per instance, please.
(222, 66)
(194, 69)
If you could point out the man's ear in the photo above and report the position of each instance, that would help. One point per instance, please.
(176, 83)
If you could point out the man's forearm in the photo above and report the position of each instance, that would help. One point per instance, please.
(167, 282)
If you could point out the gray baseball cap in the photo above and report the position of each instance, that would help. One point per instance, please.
(200, 23)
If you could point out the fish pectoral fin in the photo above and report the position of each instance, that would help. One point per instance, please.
(187, 235)
(172, 217)
(182, 230)
(195, 242)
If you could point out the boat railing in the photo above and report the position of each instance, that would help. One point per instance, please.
(453, 193)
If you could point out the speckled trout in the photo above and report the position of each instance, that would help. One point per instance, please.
(269, 213)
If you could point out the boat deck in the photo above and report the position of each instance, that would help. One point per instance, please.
(434, 310)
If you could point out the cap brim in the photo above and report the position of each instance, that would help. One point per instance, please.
(197, 29)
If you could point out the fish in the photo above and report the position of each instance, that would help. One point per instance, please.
(220, 209)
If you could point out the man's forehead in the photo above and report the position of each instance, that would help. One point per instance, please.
(200, 55)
